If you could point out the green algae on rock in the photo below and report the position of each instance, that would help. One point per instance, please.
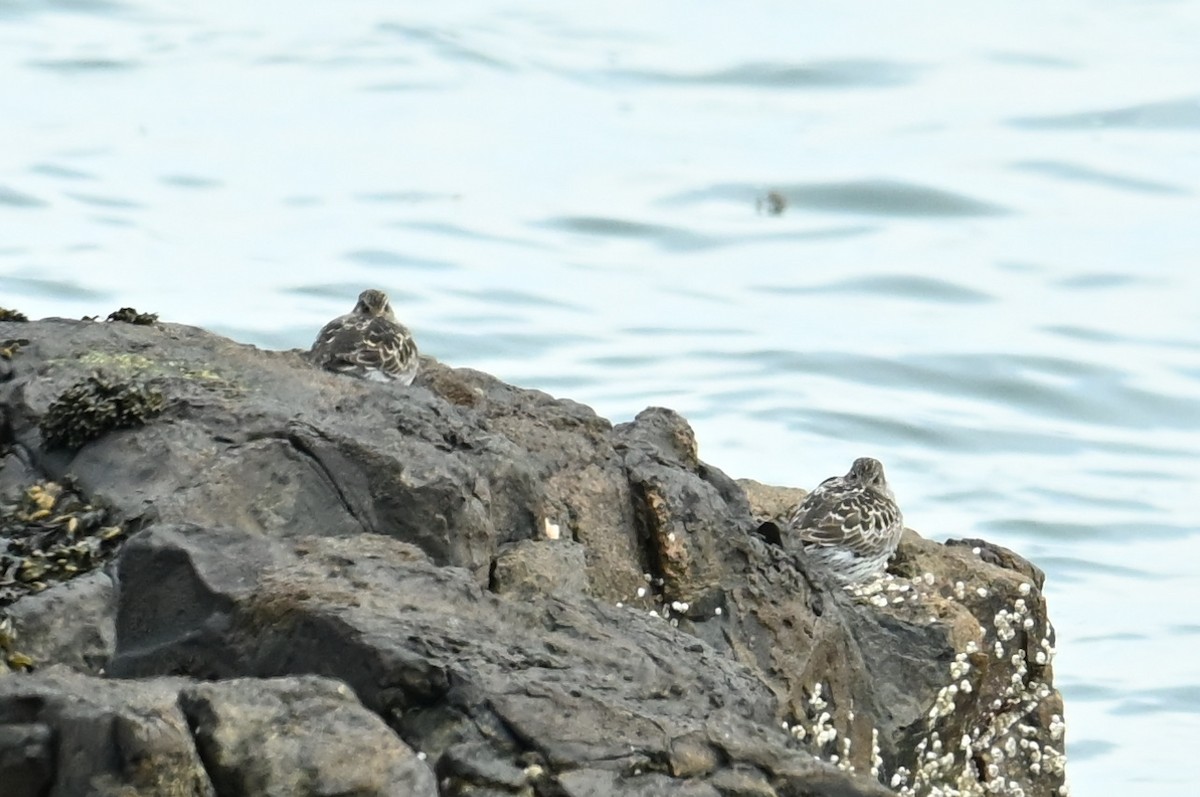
(88, 409)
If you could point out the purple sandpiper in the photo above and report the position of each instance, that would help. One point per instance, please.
(368, 342)
(849, 526)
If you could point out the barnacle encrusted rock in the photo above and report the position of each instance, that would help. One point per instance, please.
(131, 316)
(97, 405)
(527, 599)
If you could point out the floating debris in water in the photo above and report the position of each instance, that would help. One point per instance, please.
(12, 315)
(130, 316)
(97, 405)
(772, 203)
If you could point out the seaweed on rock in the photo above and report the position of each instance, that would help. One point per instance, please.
(97, 405)
(129, 315)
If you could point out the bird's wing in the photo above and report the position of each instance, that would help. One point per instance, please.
(369, 343)
(833, 515)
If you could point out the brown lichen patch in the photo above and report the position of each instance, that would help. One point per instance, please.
(771, 503)
(451, 384)
(96, 405)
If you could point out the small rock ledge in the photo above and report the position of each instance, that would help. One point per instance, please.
(303, 584)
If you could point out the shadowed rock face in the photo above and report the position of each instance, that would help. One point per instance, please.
(332, 570)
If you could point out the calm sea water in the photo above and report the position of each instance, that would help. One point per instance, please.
(986, 275)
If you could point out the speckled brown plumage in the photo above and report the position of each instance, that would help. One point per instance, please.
(368, 343)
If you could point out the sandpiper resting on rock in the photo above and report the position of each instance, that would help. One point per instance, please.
(368, 342)
(849, 526)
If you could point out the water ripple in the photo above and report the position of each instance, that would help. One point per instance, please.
(458, 231)
(885, 198)
(1093, 281)
(508, 298)
(189, 181)
(842, 74)
(446, 44)
(926, 289)
(449, 346)
(49, 288)
(864, 197)
(1164, 700)
(1181, 114)
(1084, 749)
(1070, 532)
(52, 6)
(1076, 569)
(72, 65)
(64, 172)
(1072, 172)
(349, 291)
(1048, 387)
(673, 238)
(18, 200)
(1067, 498)
(1032, 59)
(111, 202)
(388, 259)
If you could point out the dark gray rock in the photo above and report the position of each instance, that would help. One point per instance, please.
(299, 523)
(298, 736)
(540, 566)
(63, 733)
(107, 737)
(26, 759)
(73, 624)
(605, 783)
(564, 675)
(457, 464)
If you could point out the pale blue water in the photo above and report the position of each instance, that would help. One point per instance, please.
(988, 275)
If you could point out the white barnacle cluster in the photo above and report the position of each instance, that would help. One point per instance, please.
(822, 732)
(888, 590)
(671, 612)
(825, 741)
(641, 594)
(1010, 746)
(1045, 652)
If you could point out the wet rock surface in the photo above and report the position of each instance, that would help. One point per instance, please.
(330, 586)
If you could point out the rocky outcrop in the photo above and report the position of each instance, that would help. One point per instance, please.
(320, 585)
